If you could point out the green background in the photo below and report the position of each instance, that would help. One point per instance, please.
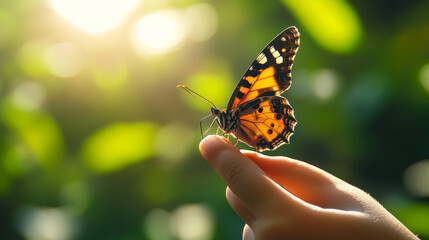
(111, 151)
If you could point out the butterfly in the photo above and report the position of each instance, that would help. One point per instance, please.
(256, 113)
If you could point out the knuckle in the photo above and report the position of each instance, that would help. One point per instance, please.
(232, 172)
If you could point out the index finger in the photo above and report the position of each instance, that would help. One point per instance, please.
(260, 194)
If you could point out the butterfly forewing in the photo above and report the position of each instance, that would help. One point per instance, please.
(270, 72)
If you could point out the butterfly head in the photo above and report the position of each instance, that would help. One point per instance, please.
(215, 112)
(219, 116)
(226, 120)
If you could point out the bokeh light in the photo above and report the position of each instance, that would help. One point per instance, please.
(186, 222)
(193, 222)
(416, 178)
(94, 17)
(325, 84)
(424, 77)
(45, 223)
(29, 95)
(97, 141)
(178, 138)
(30, 58)
(156, 225)
(333, 24)
(158, 32)
(64, 59)
(202, 21)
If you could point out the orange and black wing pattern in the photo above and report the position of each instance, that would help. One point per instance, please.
(266, 122)
(270, 72)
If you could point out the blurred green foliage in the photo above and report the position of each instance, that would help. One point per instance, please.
(96, 141)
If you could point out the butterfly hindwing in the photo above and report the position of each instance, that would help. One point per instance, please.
(266, 122)
(270, 72)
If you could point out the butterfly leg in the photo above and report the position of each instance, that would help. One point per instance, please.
(223, 134)
(211, 126)
(201, 126)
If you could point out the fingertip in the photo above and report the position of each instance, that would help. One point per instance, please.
(229, 194)
(213, 144)
(248, 233)
(247, 181)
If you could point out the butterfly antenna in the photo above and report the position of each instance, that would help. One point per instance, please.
(194, 94)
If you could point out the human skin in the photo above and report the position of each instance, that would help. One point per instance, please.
(283, 198)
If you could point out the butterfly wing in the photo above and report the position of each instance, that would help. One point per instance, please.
(265, 122)
(270, 72)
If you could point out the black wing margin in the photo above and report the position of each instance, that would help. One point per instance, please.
(272, 68)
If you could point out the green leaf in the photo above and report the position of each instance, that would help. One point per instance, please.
(333, 24)
(118, 146)
(38, 132)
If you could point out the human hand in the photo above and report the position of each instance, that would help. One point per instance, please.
(315, 204)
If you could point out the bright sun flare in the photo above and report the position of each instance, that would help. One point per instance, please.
(94, 17)
(158, 32)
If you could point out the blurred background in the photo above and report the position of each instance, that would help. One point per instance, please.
(96, 141)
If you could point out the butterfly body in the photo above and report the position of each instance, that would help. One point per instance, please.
(256, 113)
(226, 119)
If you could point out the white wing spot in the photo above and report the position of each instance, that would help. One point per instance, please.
(276, 54)
(283, 39)
(272, 49)
(262, 59)
(279, 60)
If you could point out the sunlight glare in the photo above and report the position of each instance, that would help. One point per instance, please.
(158, 32)
(94, 17)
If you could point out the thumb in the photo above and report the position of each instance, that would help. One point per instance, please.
(245, 179)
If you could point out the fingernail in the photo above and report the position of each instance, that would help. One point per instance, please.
(213, 144)
(211, 140)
